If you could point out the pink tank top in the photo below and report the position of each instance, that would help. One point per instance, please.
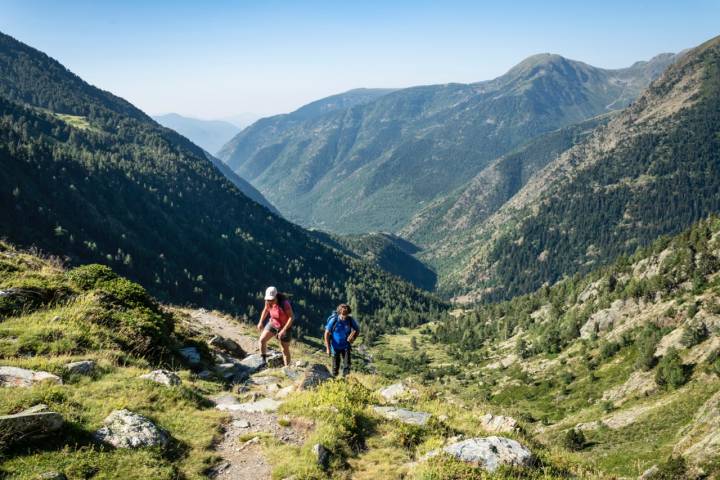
(279, 316)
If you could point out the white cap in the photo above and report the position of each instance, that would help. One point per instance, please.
(270, 293)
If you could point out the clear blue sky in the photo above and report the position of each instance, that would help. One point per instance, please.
(212, 59)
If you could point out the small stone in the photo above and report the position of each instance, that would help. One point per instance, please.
(241, 423)
(489, 452)
(301, 363)
(322, 454)
(498, 423)
(291, 373)
(649, 473)
(205, 375)
(56, 318)
(83, 367)
(191, 355)
(394, 392)
(53, 476)
(163, 377)
(126, 429)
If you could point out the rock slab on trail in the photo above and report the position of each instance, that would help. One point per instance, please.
(126, 429)
(316, 374)
(229, 403)
(405, 416)
(489, 452)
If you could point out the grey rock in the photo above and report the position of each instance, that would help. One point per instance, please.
(395, 392)
(205, 375)
(405, 416)
(489, 452)
(32, 423)
(316, 374)
(263, 380)
(229, 403)
(253, 363)
(126, 429)
(22, 377)
(322, 454)
(164, 377)
(291, 373)
(227, 345)
(241, 424)
(191, 355)
(649, 473)
(53, 476)
(83, 367)
(498, 423)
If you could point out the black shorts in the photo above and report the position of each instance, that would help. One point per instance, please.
(270, 328)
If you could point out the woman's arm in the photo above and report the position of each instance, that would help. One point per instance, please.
(288, 324)
(262, 317)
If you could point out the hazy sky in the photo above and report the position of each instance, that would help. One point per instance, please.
(212, 59)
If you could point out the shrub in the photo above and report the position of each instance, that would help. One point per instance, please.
(693, 334)
(671, 373)
(574, 440)
(87, 277)
(646, 344)
(609, 349)
(674, 468)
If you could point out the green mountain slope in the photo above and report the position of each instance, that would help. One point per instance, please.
(88, 176)
(208, 134)
(371, 166)
(651, 171)
(624, 354)
(391, 253)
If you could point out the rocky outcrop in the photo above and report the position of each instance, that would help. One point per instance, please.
(316, 374)
(83, 367)
(126, 429)
(639, 384)
(163, 377)
(498, 423)
(22, 377)
(405, 416)
(229, 403)
(32, 423)
(489, 453)
(700, 439)
(322, 455)
(603, 321)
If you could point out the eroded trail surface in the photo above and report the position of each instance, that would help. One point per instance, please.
(251, 403)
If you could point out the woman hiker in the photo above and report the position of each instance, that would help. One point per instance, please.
(280, 311)
(340, 332)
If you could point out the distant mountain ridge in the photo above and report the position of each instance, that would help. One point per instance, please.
(88, 176)
(208, 134)
(372, 165)
(651, 171)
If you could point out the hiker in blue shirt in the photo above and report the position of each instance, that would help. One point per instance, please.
(340, 332)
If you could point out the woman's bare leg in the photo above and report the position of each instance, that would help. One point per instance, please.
(265, 337)
(286, 352)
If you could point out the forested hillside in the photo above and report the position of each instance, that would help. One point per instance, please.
(90, 177)
(372, 165)
(651, 171)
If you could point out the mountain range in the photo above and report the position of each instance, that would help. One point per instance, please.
(371, 159)
(208, 134)
(90, 177)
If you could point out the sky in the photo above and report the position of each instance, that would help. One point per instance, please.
(217, 59)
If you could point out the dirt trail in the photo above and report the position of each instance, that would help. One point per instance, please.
(241, 450)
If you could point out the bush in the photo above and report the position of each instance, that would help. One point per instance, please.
(609, 349)
(646, 345)
(674, 468)
(87, 277)
(671, 373)
(574, 440)
(694, 334)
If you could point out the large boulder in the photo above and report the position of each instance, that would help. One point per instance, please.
(32, 423)
(164, 377)
(489, 453)
(126, 429)
(227, 345)
(83, 367)
(22, 377)
(405, 416)
(316, 374)
(498, 423)
(253, 363)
